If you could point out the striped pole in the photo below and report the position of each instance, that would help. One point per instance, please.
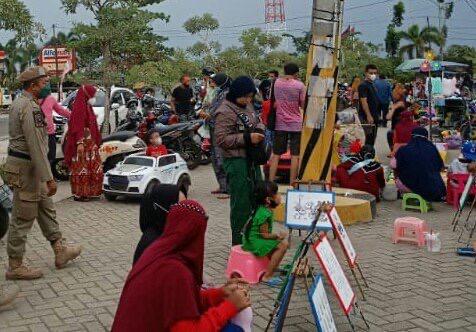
(320, 110)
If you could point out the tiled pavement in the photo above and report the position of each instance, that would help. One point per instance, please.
(410, 289)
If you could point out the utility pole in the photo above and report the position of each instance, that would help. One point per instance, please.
(56, 59)
(445, 10)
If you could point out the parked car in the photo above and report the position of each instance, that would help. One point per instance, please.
(132, 176)
(119, 99)
(5, 98)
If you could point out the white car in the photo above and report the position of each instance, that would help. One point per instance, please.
(119, 99)
(138, 171)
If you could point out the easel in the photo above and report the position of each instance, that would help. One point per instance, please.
(347, 248)
(466, 226)
(462, 203)
(299, 266)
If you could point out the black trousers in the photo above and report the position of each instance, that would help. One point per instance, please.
(370, 130)
(52, 149)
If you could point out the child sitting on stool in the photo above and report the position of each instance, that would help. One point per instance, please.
(258, 237)
(155, 148)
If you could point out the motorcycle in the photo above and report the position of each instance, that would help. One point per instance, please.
(180, 138)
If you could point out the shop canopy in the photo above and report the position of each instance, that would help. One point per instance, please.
(448, 66)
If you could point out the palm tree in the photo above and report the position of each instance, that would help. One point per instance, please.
(419, 41)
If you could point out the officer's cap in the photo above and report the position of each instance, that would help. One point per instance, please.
(32, 73)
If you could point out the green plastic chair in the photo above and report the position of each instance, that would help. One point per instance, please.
(408, 199)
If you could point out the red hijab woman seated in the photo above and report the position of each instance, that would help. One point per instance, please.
(403, 130)
(163, 290)
(361, 172)
(81, 147)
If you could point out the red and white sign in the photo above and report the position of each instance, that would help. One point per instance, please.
(344, 239)
(57, 65)
(3, 55)
(335, 274)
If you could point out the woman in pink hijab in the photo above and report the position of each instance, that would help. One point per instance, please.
(81, 148)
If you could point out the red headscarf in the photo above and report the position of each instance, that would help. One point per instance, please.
(404, 128)
(82, 117)
(163, 287)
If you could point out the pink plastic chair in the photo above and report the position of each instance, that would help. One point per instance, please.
(409, 229)
(455, 187)
(246, 265)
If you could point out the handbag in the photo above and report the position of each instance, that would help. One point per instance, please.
(256, 153)
(271, 122)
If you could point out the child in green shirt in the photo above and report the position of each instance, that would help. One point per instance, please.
(258, 236)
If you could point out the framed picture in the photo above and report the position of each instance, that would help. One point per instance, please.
(302, 208)
(335, 274)
(344, 239)
(320, 307)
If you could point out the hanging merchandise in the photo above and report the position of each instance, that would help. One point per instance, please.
(436, 86)
(449, 86)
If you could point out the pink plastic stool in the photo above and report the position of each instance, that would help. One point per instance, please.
(409, 229)
(246, 265)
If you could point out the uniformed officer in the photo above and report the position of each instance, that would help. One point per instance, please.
(28, 171)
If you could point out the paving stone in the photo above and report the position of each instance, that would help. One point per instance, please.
(410, 289)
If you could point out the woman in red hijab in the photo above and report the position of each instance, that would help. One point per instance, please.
(81, 148)
(163, 290)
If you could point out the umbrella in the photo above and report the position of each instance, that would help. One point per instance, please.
(415, 64)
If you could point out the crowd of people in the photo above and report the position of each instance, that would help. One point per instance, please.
(173, 227)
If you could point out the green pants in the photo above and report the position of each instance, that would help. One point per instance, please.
(29, 203)
(241, 178)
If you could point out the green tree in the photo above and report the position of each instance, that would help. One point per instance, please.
(15, 16)
(203, 26)
(62, 38)
(121, 37)
(462, 54)
(357, 54)
(255, 42)
(419, 40)
(301, 44)
(164, 73)
(393, 37)
(398, 11)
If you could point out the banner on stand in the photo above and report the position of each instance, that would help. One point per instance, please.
(321, 308)
(344, 239)
(335, 274)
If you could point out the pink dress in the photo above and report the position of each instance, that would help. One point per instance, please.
(48, 105)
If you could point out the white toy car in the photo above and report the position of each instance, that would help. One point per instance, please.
(132, 176)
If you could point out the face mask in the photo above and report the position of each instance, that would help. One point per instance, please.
(373, 77)
(157, 141)
(92, 101)
(273, 204)
(45, 92)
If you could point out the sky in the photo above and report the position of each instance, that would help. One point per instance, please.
(370, 17)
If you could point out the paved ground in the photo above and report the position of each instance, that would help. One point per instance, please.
(410, 289)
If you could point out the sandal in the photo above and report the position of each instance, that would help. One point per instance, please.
(275, 282)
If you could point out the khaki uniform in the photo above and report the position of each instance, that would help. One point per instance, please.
(27, 170)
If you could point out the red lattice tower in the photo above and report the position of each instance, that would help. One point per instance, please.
(275, 16)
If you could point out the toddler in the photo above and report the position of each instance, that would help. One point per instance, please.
(155, 148)
(258, 236)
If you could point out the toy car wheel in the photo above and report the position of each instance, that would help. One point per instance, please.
(110, 197)
(184, 184)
